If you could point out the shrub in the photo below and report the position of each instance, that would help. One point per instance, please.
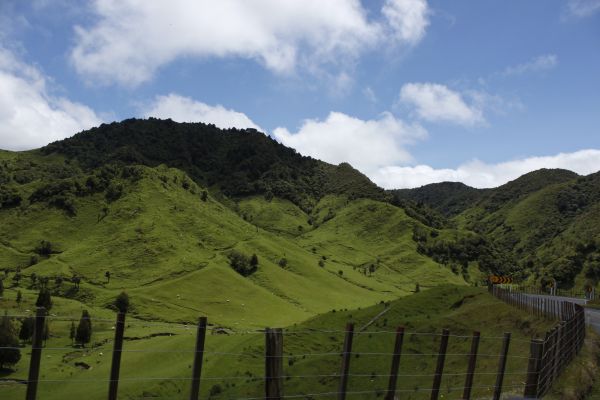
(44, 248)
(215, 390)
(242, 264)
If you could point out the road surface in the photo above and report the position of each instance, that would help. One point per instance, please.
(592, 316)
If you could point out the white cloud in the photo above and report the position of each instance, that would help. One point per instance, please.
(30, 116)
(184, 109)
(132, 38)
(435, 102)
(481, 175)
(365, 144)
(408, 19)
(540, 63)
(583, 8)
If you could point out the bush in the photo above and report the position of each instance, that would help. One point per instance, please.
(9, 354)
(9, 198)
(45, 248)
(242, 264)
(283, 262)
(215, 390)
(114, 192)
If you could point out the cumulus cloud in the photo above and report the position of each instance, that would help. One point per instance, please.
(132, 39)
(185, 109)
(407, 18)
(30, 116)
(540, 63)
(482, 175)
(583, 8)
(365, 144)
(435, 102)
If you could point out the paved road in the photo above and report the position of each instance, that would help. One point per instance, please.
(592, 316)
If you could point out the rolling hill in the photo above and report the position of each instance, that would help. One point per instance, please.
(547, 220)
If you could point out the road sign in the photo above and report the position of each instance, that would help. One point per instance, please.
(495, 279)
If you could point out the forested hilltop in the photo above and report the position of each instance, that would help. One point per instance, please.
(236, 162)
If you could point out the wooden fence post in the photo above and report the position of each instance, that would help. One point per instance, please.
(36, 353)
(116, 357)
(274, 364)
(471, 367)
(439, 369)
(393, 381)
(198, 358)
(533, 369)
(346, 361)
(501, 366)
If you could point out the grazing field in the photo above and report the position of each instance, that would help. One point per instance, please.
(158, 356)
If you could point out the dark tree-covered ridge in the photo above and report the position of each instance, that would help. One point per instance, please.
(238, 162)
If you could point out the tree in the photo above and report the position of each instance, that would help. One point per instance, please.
(72, 332)
(44, 248)
(17, 278)
(107, 276)
(122, 302)
(283, 262)
(9, 343)
(33, 278)
(44, 299)
(76, 280)
(417, 288)
(1, 287)
(254, 261)
(19, 298)
(204, 195)
(26, 331)
(84, 329)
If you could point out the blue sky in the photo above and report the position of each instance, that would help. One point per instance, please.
(408, 91)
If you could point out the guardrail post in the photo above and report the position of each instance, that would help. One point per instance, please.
(439, 369)
(471, 367)
(501, 366)
(346, 361)
(274, 364)
(533, 369)
(36, 353)
(116, 357)
(393, 381)
(198, 358)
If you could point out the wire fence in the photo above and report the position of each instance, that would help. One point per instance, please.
(561, 344)
(453, 367)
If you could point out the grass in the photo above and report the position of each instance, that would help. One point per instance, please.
(169, 249)
(163, 351)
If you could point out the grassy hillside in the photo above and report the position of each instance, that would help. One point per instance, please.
(157, 357)
(544, 222)
(168, 242)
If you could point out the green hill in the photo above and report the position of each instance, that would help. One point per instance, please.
(192, 220)
(171, 241)
(546, 221)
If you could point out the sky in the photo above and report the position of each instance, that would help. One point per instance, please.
(410, 92)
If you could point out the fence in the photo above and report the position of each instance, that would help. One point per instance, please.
(581, 293)
(479, 370)
(548, 356)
